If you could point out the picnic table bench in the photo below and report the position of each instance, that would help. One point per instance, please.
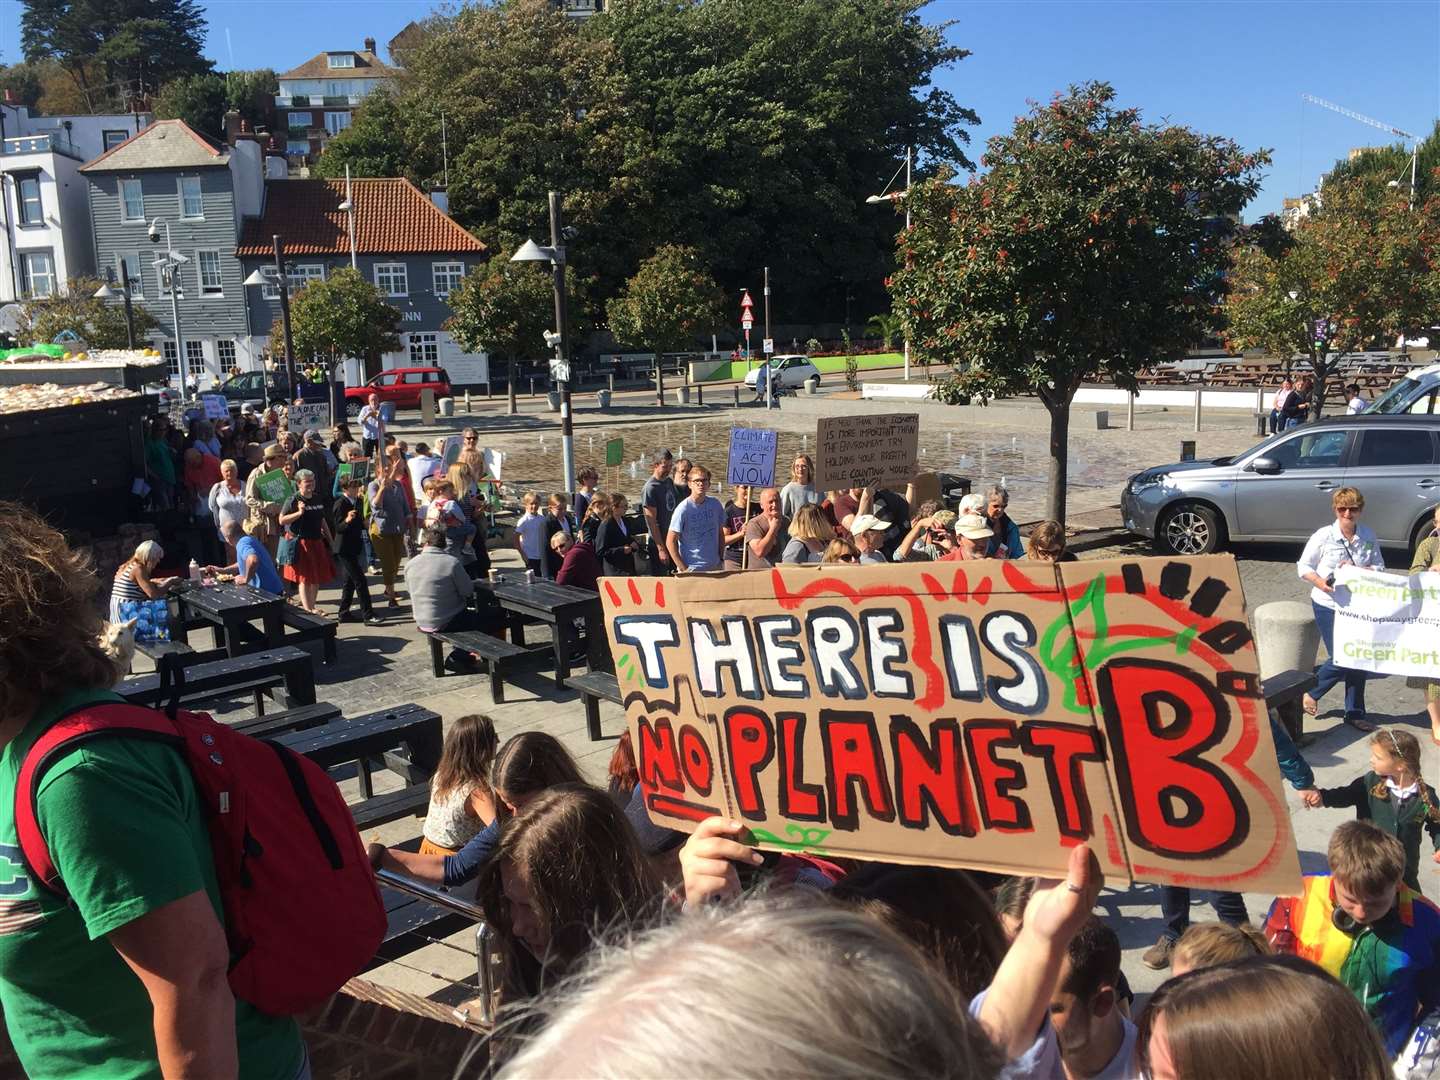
(498, 657)
(594, 686)
(559, 606)
(228, 608)
(281, 723)
(258, 673)
(405, 739)
(393, 805)
(308, 627)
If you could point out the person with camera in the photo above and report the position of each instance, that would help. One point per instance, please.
(1345, 542)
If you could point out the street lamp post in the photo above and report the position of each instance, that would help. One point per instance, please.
(890, 197)
(168, 265)
(278, 278)
(560, 365)
(105, 292)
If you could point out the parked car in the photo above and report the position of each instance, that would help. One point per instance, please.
(400, 386)
(1412, 393)
(1280, 490)
(789, 369)
(262, 388)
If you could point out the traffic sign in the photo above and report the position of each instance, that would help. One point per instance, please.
(745, 302)
(560, 369)
(747, 322)
(769, 345)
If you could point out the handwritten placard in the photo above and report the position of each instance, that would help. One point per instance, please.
(310, 414)
(864, 451)
(216, 407)
(989, 714)
(752, 456)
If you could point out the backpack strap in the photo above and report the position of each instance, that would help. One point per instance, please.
(72, 729)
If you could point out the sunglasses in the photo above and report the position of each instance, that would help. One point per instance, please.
(1347, 509)
(848, 558)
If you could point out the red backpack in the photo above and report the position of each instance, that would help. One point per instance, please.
(302, 910)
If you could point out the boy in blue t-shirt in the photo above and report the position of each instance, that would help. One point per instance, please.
(695, 539)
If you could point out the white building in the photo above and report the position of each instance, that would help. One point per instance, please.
(45, 236)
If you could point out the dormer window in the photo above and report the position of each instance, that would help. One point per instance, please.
(342, 60)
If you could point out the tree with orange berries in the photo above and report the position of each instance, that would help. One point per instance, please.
(1093, 247)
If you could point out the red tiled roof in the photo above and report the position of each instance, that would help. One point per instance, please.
(367, 66)
(392, 217)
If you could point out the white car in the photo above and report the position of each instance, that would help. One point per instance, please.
(790, 370)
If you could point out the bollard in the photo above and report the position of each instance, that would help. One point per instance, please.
(1187, 449)
(1102, 419)
(467, 399)
(532, 386)
(737, 396)
(1261, 424)
(699, 394)
(1197, 410)
(612, 382)
(487, 390)
(1130, 413)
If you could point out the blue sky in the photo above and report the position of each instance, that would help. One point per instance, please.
(1234, 68)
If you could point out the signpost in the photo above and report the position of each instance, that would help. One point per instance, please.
(991, 716)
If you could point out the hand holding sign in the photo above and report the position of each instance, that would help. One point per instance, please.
(707, 861)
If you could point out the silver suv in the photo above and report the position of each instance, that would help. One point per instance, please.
(1280, 490)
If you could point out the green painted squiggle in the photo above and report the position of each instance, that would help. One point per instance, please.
(807, 839)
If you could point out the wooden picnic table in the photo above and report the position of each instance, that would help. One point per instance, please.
(406, 739)
(559, 606)
(229, 609)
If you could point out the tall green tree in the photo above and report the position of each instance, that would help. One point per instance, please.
(252, 93)
(1393, 163)
(342, 316)
(1093, 246)
(503, 310)
(199, 100)
(1358, 271)
(373, 145)
(74, 308)
(114, 49)
(670, 302)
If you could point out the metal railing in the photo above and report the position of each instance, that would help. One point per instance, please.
(486, 955)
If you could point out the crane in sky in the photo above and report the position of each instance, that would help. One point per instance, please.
(1391, 128)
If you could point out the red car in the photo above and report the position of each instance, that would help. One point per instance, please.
(400, 386)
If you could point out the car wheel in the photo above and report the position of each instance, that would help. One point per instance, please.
(352, 408)
(1189, 529)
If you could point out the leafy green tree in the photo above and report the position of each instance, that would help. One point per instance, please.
(111, 48)
(373, 144)
(503, 310)
(885, 326)
(199, 100)
(74, 308)
(252, 93)
(344, 315)
(1362, 264)
(669, 302)
(24, 82)
(1092, 247)
(1392, 163)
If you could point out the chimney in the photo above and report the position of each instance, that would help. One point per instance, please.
(9, 96)
(233, 126)
(370, 45)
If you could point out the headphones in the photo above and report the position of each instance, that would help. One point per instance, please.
(1344, 921)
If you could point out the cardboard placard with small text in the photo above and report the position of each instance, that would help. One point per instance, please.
(984, 714)
(866, 451)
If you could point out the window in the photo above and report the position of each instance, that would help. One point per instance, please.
(210, 284)
(28, 189)
(447, 276)
(300, 276)
(130, 261)
(342, 60)
(114, 138)
(424, 352)
(339, 89)
(1396, 448)
(191, 204)
(336, 122)
(1310, 451)
(387, 380)
(194, 359)
(225, 355)
(38, 273)
(392, 279)
(301, 121)
(297, 146)
(132, 201)
(167, 349)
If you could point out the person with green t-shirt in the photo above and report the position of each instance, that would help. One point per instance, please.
(128, 978)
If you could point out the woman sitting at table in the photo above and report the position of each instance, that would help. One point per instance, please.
(133, 580)
(304, 517)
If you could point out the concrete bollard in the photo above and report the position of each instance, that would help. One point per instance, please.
(532, 387)
(552, 400)
(737, 396)
(812, 386)
(446, 405)
(467, 400)
(1102, 420)
(1198, 398)
(1286, 637)
(602, 400)
(682, 395)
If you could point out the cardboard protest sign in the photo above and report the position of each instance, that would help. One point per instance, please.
(752, 457)
(982, 714)
(274, 486)
(615, 452)
(310, 414)
(216, 407)
(1387, 622)
(861, 451)
(494, 461)
(358, 469)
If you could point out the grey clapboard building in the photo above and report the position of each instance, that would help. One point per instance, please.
(404, 244)
(170, 176)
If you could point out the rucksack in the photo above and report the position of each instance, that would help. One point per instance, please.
(303, 914)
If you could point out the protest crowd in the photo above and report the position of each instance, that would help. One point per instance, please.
(631, 948)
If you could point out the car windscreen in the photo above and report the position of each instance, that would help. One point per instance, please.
(1396, 399)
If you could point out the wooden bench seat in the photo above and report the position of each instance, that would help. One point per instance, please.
(393, 805)
(593, 686)
(282, 723)
(258, 673)
(496, 655)
(308, 627)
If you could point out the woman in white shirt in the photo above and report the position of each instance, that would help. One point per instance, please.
(1344, 543)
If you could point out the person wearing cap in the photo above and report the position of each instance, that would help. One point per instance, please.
(312, 456)
(868, 532)
(657, 499)
(263, 523)
(972, 539)
(930, 538)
